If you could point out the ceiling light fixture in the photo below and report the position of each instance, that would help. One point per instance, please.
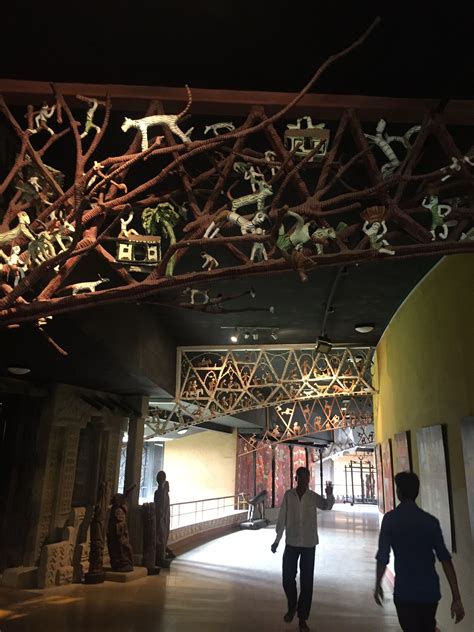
(364, 328)
(18, 370)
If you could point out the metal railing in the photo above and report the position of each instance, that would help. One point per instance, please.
(194, 511)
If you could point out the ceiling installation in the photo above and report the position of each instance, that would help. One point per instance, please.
(191, 204)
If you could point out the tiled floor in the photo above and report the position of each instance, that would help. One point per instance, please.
(230, 584)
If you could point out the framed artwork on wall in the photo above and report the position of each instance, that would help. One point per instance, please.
(378, 466)
(467, 438)
(245, 472)
(401, 453)
(299, 459)
(264, 473)
(434, 489)
(282, 472)
(387, 466)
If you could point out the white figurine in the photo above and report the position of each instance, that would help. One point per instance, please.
(42, 117)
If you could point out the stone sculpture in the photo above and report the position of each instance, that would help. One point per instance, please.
(120, 550)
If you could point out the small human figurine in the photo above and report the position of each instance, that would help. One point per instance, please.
(93, 105)
(375, 228)
(162, 510)
(120, 550)
(125, 232)
(439, 212)
(19, 266)
(42, 117)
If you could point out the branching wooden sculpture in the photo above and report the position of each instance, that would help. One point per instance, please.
(100, 200)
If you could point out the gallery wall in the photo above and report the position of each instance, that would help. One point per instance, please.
(424, 377)
(201, 465)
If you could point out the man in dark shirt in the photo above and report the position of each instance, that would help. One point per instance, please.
(414, 534)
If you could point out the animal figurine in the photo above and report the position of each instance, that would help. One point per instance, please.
(264, 190)
(41, 119)
(21, 229)
(209, 262)
(384, 142)
(87, 286)
(168, 120)
(246, 226)
(41, 248)
(216, 127)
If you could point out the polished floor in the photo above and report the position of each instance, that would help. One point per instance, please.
(230, 584)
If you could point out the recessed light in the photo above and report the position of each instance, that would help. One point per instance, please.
(18, 370)
(365, 328)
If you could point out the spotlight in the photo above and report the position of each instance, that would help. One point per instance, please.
(274, 335)
(255, 335)
(182, 431)
(364, 328)
(234, 338)
(247, 335)
(323, 344)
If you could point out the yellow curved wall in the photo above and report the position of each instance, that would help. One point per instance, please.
(424, 375)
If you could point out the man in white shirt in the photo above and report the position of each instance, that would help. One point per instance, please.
(298, 516)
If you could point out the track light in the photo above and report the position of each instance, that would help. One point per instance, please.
(323, 344)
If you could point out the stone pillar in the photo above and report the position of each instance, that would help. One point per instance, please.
(62, 419)
(132, 475)
(133, 470)
(114, 428)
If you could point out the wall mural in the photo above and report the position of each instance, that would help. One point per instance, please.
(187, 205)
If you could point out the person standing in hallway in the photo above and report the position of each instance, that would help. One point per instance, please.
(298, 516)
(414, 534)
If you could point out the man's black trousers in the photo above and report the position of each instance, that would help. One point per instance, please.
(416, 617)
(290, 566)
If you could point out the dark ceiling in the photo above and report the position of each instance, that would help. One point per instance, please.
(423, 52)
(418, 50)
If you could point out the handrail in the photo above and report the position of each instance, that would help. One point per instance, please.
(202, 500)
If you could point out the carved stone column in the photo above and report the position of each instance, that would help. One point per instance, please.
(133, 469)
(61, 421)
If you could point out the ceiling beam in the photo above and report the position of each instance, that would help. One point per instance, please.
(238, 102)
